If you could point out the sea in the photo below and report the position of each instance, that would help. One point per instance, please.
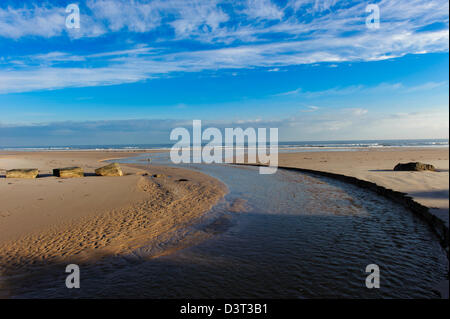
(295, 146)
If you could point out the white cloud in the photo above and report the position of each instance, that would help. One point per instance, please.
(263, 9)
(357, 111)
(311, 108)
(142, 63)
(44, 21)
(426, 86)
(197, 17)
(37, 21)
(119, 14)
(357, 123)
(312, 34)
(325, 124)
(203, 18)
(430, 124)
(361, 89)
(323, 5)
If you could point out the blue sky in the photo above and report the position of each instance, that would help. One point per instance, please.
(136, 69)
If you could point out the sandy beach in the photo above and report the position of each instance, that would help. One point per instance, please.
(50, 219)
(32, 205)
(54, 221)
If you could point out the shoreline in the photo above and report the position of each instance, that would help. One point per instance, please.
(438, 225)
(425, 192)
(430, 189)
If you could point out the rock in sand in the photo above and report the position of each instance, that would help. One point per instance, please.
(68, 172)
(109, 170)
(22, 173)
(414, 166)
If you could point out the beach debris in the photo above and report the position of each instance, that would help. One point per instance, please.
(112, 169)
(183, 180)
(157, 175)
(22, 173)
(414, 166)
(68, 172)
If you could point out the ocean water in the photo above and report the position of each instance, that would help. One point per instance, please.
(286, 146)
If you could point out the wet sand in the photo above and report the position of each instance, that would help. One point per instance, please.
(49, 219)
(430, 189)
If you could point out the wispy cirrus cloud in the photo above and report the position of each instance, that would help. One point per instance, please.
(46, 21)
(361, 89)
(263, 9)
(427, 86)
(218, 20)
(310, 108)
(36, 21)
(222, 35)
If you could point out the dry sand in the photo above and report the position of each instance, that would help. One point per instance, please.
(50, 219)
(431, 189)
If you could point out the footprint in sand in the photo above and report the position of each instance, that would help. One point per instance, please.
(5, 214)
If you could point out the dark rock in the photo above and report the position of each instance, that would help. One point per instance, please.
(414, 166)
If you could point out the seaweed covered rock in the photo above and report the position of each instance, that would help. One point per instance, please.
(414, 166)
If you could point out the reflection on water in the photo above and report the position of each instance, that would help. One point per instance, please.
(287, 235)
